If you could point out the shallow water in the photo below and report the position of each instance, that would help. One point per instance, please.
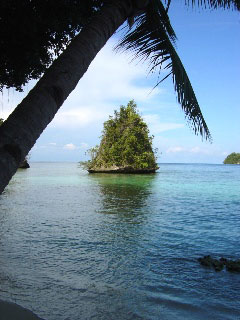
(79, 246)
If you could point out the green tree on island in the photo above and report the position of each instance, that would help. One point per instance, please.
(233, 158)
(126, 145)
(150, 36)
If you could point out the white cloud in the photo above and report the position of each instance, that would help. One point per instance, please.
(10, 98)
(199, 150)
(109, 78)
(70, 146)
(80, 117)
(5, 114)
(110, 81)
(156, 126)
(52, 143)
(175, 149)
(192, 150)
(195, 150)
(84, 145)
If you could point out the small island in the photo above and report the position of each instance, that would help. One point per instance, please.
(125, 147)
(233, 158)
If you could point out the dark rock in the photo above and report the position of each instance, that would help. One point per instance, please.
(24, 165)
(218, 265)
(233, 265)
(223, 260)
(126, 169)
(206, 261)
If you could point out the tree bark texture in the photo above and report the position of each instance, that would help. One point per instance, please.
(20, 131)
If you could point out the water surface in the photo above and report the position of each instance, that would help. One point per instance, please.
(78, 246)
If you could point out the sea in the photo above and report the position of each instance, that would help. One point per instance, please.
(79, 246)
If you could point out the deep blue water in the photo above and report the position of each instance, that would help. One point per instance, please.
(78, 246)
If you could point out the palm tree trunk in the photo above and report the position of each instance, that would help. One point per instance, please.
(20, 131)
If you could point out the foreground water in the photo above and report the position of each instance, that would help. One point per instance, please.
(78, 246)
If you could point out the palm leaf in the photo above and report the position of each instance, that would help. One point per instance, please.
(216, 4)
(152, 40)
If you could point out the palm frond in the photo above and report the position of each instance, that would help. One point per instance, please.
(215, 4)
(168, 4)
(150, 40)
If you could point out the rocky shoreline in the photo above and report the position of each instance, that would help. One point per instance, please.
(125, 169)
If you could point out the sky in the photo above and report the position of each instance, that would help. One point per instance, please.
(209, 47)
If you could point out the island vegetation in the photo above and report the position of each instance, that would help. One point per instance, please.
(233, 158)
(126, 146)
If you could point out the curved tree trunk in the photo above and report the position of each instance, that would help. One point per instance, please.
(20, 131)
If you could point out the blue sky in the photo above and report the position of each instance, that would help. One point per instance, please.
(209, 46)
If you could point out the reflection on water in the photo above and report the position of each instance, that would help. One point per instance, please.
(124, 195)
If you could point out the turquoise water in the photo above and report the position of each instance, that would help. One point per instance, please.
(78, 246)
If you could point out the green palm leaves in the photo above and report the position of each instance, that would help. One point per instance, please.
(215, 4)
(153, 39)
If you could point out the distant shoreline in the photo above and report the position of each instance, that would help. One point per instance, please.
(159, 163)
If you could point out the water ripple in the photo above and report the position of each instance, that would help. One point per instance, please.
(78, 246)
